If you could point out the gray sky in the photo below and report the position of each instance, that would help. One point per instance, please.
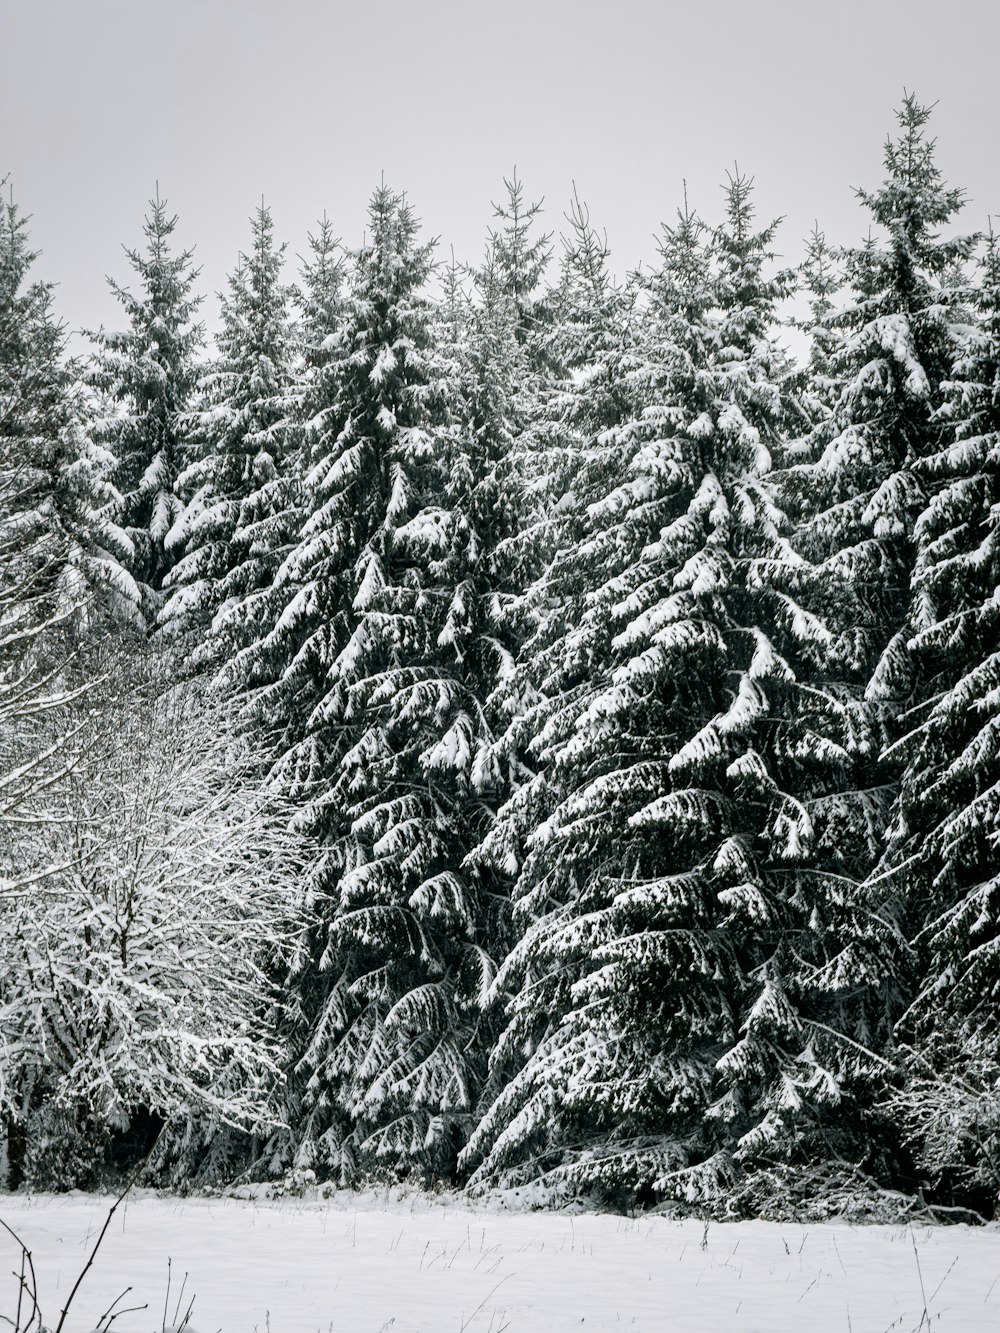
(308, 101)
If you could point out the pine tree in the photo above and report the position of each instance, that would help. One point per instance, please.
(318, 303)
(889, 352)
(33, 545)
(519, 261)
(945, 832)
(379, 731)
(559, 559)
(57, 541)
(665, 852)
(320, 296)
(146, 375)
(821, 280)
(592, 345)
(237, 521)
(566, 452)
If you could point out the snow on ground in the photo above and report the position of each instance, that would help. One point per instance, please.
(373, 1264)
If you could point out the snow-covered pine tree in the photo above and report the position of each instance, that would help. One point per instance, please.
(240, 490)
(552, 420)
(796, 1084)
(146, 375)
(575, 458)
(319, 297)
(267, 650)
(58, 566)
(381, 732)
(889, 351)
(33, 550)
(821, 280)
(482, 375)
(255, 629)
(665, 889)
(592, 338)
(567, 453)
(515, 266)
(519, 260)
(492, 409)
(944, 848)
(57, 537)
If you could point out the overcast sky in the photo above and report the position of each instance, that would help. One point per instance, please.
(308, 102)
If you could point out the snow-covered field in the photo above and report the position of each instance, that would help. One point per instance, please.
(373, 1264)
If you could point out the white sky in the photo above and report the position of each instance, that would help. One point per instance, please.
(308, 101)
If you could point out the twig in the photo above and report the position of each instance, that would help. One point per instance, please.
(945, 1278)
(187, 1318)
(177, 1308)
(166, 1298)
(20, 1290)
(923, 1295)
(129, 1309)
(107, 1313)
(467, 1322)
(841, 1262)
(97, 1245)
(33, 1291)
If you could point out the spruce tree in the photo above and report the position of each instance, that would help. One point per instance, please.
(558, 559)
(146, 375)
(821, 280)
(666, 852)
(889, 352)
(519, 260)
(945, 832)
(58, 542)
(320, 294)
(239, 491)
(380, 733)
(593, 347)
(264, 653)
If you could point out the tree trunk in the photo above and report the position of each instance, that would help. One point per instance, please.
(17, 1147)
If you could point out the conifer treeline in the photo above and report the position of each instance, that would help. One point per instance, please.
(611, 702)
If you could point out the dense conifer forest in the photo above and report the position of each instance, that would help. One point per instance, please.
(495, 723)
